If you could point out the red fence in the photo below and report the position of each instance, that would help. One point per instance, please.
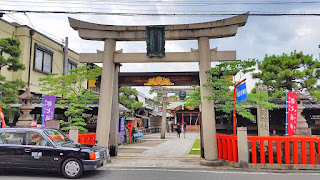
(87, 138)
(291, 147)
(272, 149)
(227, 147)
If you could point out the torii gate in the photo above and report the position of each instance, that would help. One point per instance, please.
(109, 57)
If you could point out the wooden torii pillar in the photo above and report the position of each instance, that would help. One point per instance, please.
(199, 31)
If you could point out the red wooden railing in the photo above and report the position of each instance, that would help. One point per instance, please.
(88, 138)
(288, 150)
(227, 147)
(291, 155)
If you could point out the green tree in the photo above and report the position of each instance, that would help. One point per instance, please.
(128, 98)
(222, 90)
(285, 72)
(75, 96)
(9, 57)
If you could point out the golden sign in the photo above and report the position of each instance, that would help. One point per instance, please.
(159, 81)
(92, 83)
(230, 78)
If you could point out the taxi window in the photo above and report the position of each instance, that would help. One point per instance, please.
(11, 137)
(36, 139)
(57, 137)
(3, 138)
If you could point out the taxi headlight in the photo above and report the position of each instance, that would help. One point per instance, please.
(97, 155)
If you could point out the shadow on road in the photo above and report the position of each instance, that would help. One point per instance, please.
(32, 174)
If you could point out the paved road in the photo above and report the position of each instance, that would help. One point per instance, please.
(164, 174)
(165, 159)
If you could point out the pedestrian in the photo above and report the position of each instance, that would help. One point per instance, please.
(184, 130)
(2, 122)
(178, 129)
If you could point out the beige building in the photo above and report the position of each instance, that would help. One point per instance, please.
(47, 55)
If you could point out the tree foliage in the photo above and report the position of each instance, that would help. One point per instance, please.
(285, 72)
(222, 90)
(72, 89)
(128, 98)
(9, 57)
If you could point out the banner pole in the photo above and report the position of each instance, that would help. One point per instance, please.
(286, 129)
(42, 116)
(234, 107)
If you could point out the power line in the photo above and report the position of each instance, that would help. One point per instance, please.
(168, 3)
(20, 21)
(158, 14)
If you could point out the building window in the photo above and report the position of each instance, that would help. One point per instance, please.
(72, 65)
(43, 59)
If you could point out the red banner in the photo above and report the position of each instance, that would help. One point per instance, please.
(292, 113)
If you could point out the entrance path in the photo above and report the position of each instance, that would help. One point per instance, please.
(153, 146)
(156, 152)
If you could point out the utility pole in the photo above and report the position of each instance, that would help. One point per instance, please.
(31, 32)
(65, 57)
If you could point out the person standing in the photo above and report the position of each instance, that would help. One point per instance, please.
(178, 130)
(184, 130)
(2, 122)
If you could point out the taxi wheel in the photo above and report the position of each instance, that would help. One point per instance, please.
(72, 168)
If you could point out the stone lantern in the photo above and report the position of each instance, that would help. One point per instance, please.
(302, 125)
(26, 107)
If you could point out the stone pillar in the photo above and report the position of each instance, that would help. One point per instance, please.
(243, 147)
(302, 125)
(164, 118)
(114, 127)
(262, 116)
(73, 133)
(207, 106)
(106, 92)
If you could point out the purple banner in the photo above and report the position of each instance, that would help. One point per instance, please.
(48, 108)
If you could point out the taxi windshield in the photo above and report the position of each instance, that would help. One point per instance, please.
(58, 138)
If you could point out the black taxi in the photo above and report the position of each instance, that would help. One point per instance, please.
(48, 149)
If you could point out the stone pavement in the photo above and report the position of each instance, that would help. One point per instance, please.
(156, 152)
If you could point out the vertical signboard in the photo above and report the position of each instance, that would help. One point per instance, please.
(291, 113)
(48, 108)
(241, 92)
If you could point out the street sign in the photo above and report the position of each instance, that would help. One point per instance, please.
(291, 113)
(241, 92)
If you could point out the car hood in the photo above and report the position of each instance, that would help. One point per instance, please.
(83, 146)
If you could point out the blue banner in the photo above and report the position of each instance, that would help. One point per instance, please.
(122, 129)
(241, 92)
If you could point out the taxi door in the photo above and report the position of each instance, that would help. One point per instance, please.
(37, 151)
(11, 149)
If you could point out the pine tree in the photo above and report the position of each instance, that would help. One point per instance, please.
(283, 73)
(128, 98)
(9, 57)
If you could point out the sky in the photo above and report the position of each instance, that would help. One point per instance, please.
(271, 35)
